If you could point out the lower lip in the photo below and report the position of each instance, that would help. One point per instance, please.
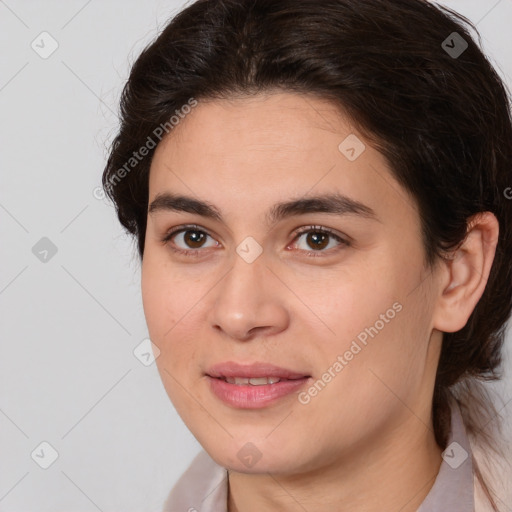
(254, 397)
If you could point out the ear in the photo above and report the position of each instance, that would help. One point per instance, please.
(464, 274)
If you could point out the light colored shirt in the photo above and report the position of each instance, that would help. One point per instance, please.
(203, 487)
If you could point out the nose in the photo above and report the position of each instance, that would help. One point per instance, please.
(249, 301)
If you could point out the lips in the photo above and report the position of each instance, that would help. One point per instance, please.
(255, 372)
(253, 386)
(253, 381)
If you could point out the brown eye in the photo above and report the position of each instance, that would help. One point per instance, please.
(194, 239)
(189, 240)
(317, 240)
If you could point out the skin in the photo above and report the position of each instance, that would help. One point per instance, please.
(370, 428)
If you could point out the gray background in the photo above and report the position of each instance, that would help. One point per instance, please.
(71, 322)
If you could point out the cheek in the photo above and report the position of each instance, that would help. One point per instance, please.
(154, 300)
(163, 298)
(163, 309)
(170, 301)
(370, 315)
(347, 303)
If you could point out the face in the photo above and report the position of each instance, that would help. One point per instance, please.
(293, 254)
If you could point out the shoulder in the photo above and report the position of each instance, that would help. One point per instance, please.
(496, 470)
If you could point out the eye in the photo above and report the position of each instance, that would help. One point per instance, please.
(318, 239)
(190, 240)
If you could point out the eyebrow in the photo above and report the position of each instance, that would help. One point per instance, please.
(338, 204)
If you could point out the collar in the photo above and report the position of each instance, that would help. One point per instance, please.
(453, 487)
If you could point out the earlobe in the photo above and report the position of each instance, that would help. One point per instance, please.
(465, 273)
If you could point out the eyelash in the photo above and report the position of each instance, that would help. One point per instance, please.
(196, 252)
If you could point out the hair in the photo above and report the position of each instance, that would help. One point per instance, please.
(441, 120)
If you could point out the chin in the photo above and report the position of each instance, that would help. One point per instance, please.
(251, 457)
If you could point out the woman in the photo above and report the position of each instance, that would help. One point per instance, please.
(319, 195)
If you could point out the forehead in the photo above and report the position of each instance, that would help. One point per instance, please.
(253, 152)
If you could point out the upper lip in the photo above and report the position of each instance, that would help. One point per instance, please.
(256, 370)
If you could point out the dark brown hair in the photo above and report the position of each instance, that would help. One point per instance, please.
(441, 119)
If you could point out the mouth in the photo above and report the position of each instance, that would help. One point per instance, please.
(253, 373)
(255, 385)
(253, 381)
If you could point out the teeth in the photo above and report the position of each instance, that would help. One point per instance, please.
(260, 381)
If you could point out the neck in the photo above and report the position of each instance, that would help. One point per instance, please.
(395, 471)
